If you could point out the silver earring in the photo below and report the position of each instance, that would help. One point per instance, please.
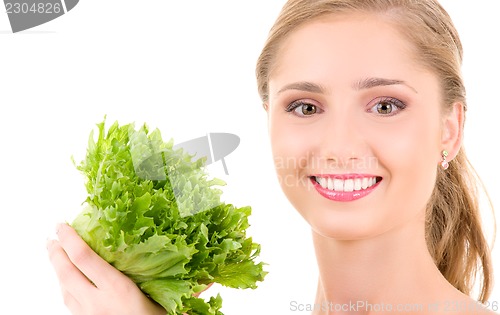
(444, 163)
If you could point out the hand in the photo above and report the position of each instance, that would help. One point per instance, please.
(89, 284)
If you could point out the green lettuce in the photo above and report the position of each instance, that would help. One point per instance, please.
(153, 213)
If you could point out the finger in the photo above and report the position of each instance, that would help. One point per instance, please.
(73, 283)
(99, 271)
(208, 287)
(71, 302)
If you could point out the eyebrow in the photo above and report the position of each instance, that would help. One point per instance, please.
(369, 83)
(303, 86)
(362, 84)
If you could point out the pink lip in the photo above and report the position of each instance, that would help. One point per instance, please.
(343, 196)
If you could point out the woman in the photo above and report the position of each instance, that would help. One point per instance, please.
(366, 107)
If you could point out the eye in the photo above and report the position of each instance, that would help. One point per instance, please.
(387, 106)
(303, 109)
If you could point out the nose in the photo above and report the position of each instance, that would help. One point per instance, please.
(342, 141)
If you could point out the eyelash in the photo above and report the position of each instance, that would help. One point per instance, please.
(296, 104)
(398, 104)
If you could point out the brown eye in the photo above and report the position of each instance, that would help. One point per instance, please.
(387, 106)
(302, 109)
(307, 109)
(384, 108)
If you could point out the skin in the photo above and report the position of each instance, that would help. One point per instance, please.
(371, 250)
(110, 292)
(90, 285)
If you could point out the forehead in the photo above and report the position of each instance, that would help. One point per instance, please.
(345, 48)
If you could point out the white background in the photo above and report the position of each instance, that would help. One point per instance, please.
(188, 69)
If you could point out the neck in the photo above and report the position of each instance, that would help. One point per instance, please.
(388, 269)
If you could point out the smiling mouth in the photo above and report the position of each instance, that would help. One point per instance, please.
(346, 184)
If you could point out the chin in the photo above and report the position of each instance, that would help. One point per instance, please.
(346, 227)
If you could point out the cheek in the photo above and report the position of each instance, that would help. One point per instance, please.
(288, 151)
(409, 157)
(293, 149)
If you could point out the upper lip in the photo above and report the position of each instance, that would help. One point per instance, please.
(345, 176)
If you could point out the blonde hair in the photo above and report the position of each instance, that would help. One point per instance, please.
(453, 231)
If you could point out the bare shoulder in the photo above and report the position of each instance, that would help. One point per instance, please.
(461, 304)
(488, 308)
(481, 311)
(473, 307)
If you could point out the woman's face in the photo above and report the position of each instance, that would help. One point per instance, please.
(355, 126)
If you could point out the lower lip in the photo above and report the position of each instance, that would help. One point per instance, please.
(343, 196)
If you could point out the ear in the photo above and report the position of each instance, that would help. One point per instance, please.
(266, 107)
(452, 131)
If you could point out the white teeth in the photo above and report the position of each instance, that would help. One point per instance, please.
(322, 181)
(347, 185)
(338, 184)
(364, 183)
(330, 183)
(357, 184)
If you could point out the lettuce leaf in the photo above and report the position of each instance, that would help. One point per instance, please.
(153, 213)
